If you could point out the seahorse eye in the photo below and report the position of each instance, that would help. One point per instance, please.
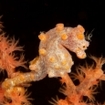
(84, 46)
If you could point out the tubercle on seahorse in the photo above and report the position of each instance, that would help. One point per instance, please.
(54, 59)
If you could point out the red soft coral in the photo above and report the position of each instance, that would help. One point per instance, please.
(89, 77)
(8, 59)
(16, 96)
(1, 94)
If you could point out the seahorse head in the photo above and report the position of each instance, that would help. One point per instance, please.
(75, 41)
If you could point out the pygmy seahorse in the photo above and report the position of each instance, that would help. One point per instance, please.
(54, 58)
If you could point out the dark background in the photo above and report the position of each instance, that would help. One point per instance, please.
(25, 19)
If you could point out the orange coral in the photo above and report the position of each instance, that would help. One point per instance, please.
(89, 77)
(2, 91)
(17, 96)
(12, 95)
(8, 59)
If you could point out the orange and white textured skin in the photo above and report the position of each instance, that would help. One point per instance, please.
(54, 59)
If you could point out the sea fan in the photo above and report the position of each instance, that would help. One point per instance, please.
(17, 96)
(8, 59)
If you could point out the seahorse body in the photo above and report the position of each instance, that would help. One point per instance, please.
(54, 59)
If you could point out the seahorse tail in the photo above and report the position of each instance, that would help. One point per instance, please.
(19, 79)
